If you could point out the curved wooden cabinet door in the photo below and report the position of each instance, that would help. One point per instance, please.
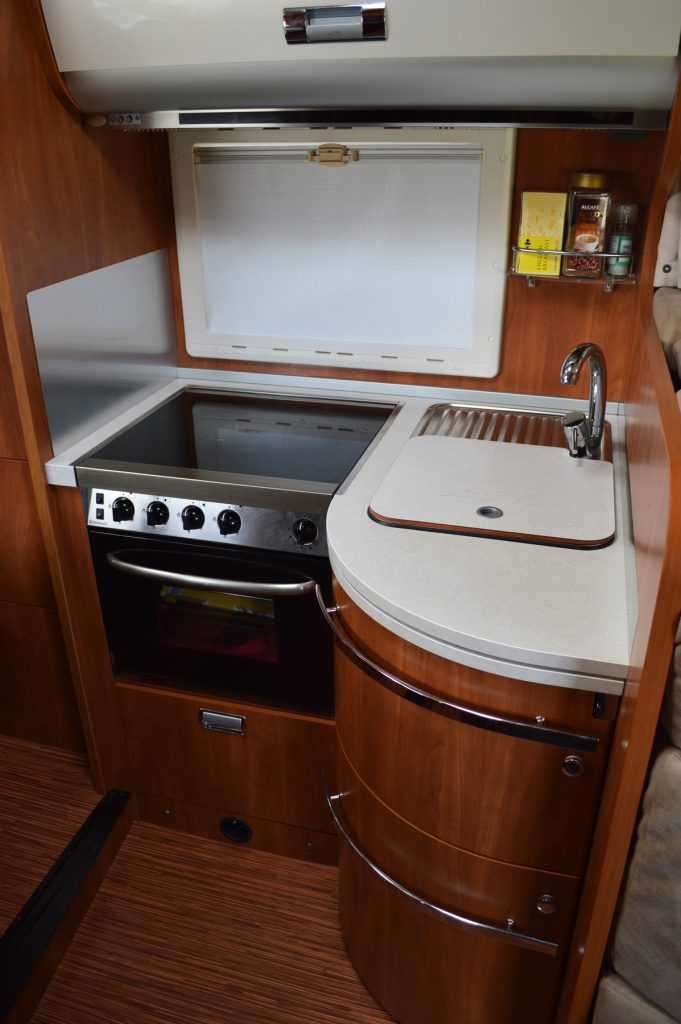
(493, 795)
(540, 904)
(439, 935)
(517, 800)
(427, 972)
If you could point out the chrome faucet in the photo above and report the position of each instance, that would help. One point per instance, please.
(584, 434)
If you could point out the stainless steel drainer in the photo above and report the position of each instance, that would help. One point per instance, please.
(486, 423)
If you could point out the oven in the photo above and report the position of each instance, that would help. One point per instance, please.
(216, 619)
(208, 578)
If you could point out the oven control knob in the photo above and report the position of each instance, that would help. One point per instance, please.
(157, 513)
(192, 518)
(305, 531)
(122, 510)
(229, 522)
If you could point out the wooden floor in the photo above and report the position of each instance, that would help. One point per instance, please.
(45, 796)
(192, 931)
(183, 930)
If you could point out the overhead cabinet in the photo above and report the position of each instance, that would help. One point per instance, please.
(143, 55)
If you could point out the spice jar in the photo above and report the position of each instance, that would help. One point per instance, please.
(621, 238)
(589, 206)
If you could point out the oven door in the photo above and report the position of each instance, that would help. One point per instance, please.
(224, 621)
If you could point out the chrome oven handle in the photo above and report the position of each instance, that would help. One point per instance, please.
(525, 729)
(505, 932)
(248, 589)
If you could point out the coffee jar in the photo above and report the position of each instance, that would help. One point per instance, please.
(587, 224)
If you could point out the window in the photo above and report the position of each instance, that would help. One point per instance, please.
(394, 260)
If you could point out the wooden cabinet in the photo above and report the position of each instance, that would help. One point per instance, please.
(36, 697)
(25, 576)
(270, 775)
(11, 439)
(467, 803)
(477, 887)
(496, 795)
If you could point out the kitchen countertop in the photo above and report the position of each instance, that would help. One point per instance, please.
(544, 614)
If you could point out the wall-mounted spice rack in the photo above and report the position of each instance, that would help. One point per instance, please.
(608, 281)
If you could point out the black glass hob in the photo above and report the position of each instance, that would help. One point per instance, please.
(230, 446)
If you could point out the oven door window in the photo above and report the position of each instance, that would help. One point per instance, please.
(232, 624)
(273, 650)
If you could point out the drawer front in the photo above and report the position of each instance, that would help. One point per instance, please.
(273, 769)
(425, 971)
(509, 798)
(540, 904)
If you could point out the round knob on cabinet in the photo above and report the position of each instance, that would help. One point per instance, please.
(573, 766)
(305, 531)
(192, 518)
(122, 510)
(547, 904)
(157, 513)
(229, 522)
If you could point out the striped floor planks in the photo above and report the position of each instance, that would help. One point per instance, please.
(45, 796)
(191, 931)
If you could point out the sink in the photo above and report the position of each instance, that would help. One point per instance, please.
(527, 491)
(508, 426)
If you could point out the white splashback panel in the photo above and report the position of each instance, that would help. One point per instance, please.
(104, 340)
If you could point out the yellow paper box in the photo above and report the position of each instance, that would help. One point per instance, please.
(542, 220)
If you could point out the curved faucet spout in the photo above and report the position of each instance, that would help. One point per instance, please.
(592, 430)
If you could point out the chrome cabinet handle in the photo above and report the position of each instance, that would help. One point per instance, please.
(181, 579)
(519, 728)
(220, 721)
(504, 932)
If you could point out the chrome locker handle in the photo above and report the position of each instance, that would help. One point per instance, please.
(342, 23)
(505, 932)
(519, 728)
(219, 721)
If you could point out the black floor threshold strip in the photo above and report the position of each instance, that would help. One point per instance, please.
(27, 938)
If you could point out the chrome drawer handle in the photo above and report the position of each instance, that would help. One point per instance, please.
(248, 589)
(519, 728)
(470, 923)
(220, 721)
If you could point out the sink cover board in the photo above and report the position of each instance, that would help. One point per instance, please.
(545, 496)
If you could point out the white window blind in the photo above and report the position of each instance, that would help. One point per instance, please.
(379, 251)
(393, 261)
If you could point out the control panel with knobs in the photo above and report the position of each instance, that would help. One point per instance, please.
(267, 529)
(192, 518)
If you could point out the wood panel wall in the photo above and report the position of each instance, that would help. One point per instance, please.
(654, 456)
(542, 324)
(71, 201)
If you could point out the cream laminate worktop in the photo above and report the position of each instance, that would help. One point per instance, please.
(544, 614)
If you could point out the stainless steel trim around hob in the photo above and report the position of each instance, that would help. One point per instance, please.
(207, 485)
